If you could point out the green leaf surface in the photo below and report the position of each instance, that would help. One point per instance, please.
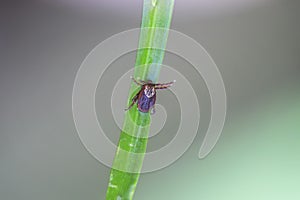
(132, 145)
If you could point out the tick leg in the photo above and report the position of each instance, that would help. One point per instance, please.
(164, 85)
(152, 112)
(145, 82)
(137, 82)
(140, 82)
(130, 106)
(133, 101)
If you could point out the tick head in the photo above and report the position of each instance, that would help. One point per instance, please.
(149, 91)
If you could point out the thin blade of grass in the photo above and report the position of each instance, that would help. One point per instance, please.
(132, 145)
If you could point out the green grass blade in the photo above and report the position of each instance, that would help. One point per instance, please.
(132, 145)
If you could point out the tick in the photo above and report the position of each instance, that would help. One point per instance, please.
(146, 97)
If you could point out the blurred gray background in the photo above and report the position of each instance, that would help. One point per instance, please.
(256, 46)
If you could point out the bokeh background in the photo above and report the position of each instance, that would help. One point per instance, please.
(256, 46)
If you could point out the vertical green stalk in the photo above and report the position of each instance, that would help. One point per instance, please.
(132, 145)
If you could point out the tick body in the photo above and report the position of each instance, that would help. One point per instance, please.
(146, 97)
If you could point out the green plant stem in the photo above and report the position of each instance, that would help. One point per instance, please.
(132, 145)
